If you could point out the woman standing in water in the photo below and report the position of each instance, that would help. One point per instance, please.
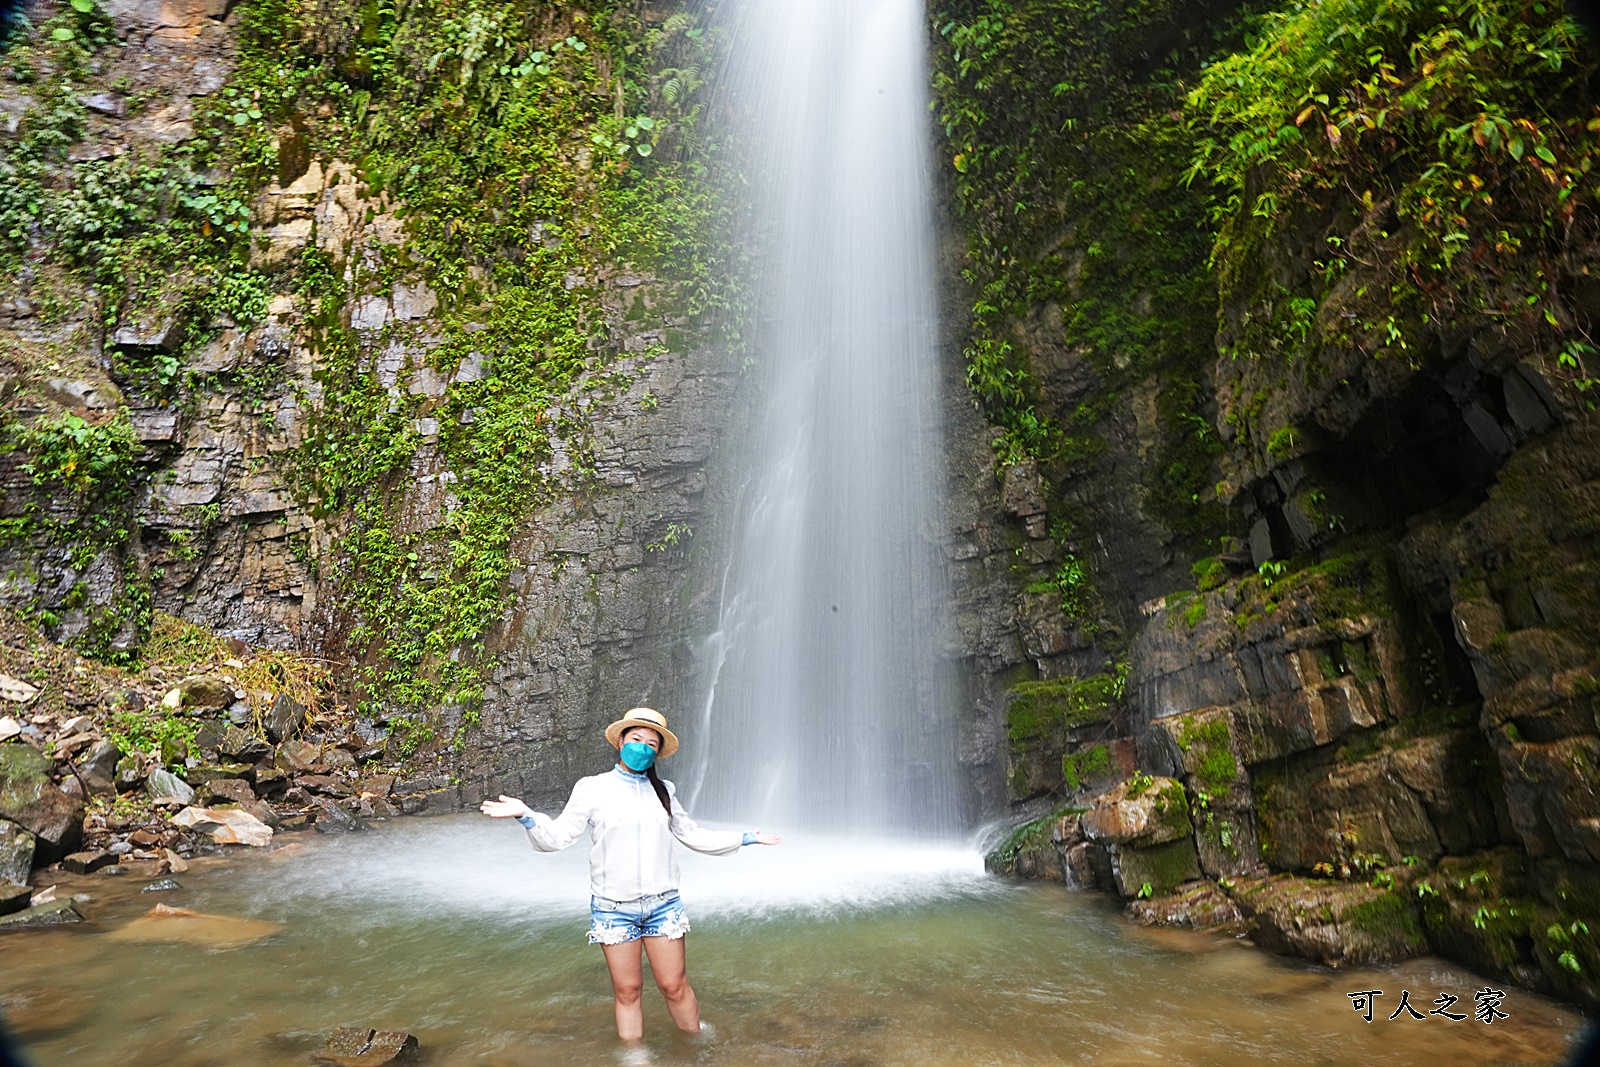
(633, 816)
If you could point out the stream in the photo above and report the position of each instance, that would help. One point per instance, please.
(821, 951)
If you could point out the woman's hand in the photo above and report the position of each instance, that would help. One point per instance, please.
(767, 839)
(504, 808)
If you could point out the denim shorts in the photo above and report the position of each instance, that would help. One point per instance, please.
(616, 921)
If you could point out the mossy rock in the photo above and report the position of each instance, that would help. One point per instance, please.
(1332, 922)
(1155, 870)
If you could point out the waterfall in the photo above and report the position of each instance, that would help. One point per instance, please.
(823, 702)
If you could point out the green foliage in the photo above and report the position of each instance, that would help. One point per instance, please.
(151, 730)
(1067, 149)
(532, 156)
(1453, 144)
(70, 451)
(1084, 765)
(1209, 573)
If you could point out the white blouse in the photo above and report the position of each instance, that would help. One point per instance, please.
(632, 852)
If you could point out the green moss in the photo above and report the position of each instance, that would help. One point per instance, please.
(1037, 708)
(1282, 443)
(1209, 573)
(1390, 918)
(1084, 765)
(1029, 836)
(1216, 769)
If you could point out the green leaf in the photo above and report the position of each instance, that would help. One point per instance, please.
(83, 7)
(645, 122)
(631, 131)
(644, 149)
(254, 112)
(580, 46)
(1545, 154)
(61, 33)
(1514, 146)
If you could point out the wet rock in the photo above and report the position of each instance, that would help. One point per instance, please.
(120, 848)
(1330, 922)
(99, 767)
(14, 897)
(353, 1046)
(291, 823)
(332, 819)
(31, 799)
(53, 913)
(165, 885)
(164, 786)
(413, 804)
(285, 717)
(16, 852)
(1139, 812)
(1156, 869)
(1197, 905)
(88, 862)
(225, 826)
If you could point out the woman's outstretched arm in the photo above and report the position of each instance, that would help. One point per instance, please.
(544, 833)
(711, 842)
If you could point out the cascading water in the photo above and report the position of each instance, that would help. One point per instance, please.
(824, 704)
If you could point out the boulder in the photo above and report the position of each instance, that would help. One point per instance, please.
(204, 691)
(16, 852)
(14, 897)
(131, 772)
(324, 785)
(16, 690)
(377, 786)
(163, 785)
(356, 1046)
(1161, 868)
(1140, 812)
(285, 717)
(30, 798)
(1331, 922)
(53, 913)
(210, 772)
(88, 862)
(226, 826)
(99, 767)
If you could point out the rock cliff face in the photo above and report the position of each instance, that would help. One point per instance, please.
(215, 426)
(1358, 651)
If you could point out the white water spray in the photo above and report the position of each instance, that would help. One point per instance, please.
(823, 702)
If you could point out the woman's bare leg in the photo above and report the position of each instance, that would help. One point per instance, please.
(672, 978)
(627, 983)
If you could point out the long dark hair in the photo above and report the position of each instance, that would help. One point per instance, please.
(660, 788)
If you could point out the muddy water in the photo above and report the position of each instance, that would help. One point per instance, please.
(821, 951)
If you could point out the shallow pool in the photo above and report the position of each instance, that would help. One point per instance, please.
(820, 951)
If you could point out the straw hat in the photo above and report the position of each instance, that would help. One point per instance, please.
(644, 717)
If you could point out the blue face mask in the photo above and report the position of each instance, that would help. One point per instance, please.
(638, 757)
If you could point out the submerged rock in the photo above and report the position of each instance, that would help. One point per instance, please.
(355, 1046)
(167, 924)
(165, 885)
(41, 1010)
